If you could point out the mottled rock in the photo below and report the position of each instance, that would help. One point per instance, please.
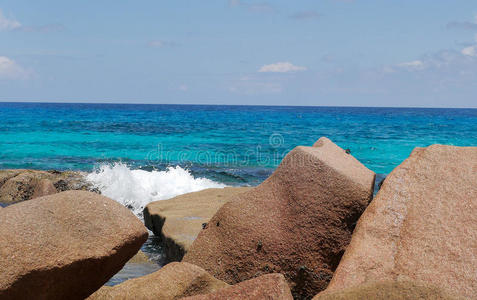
(7, 174)
(421, 227)
(43, 188)
(179, 220)
(173, 281)
(298, 222)
(270, 286)
(387, 290)
(20, 185)
(65, 246)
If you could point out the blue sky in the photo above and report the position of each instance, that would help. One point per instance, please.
(303, 52)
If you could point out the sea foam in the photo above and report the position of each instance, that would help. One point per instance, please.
(136, 188)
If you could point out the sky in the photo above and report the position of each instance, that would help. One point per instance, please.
(302, 52)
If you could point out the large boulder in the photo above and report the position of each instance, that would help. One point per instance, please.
(179, 220)
(20, 185)
(422, 225)
(174, 281)
(64, 246)
(298, 222)
(270, 286)
(387, 290)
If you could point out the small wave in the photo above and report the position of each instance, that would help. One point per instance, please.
(136, 188)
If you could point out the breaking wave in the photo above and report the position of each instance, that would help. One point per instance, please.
(136, 188)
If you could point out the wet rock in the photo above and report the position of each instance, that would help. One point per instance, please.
(421, 226)
(179, 220)
(139, 258)
(65, 246)
(138, 265)
(298, 222)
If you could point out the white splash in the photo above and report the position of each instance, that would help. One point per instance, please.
(136, 188)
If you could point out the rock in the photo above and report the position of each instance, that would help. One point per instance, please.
(174, 281)
(270, 286)
(21, 185)
(7, 174)
(139, 265)
(64, 246)
(139, 258)
(43, 188)
(72, 180)
(421, 227)
(179, 220)
(298, 222)
(387, 290)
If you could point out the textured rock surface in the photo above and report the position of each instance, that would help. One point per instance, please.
(270, 286)
(387, 290)
(139, 258)
(298, 222)
(64, 246)
(20, 185)
(174, 281)
(44, 187)
(422, 225)
(179, 220)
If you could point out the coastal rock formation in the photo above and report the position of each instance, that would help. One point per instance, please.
(138, 265)
(139, 258)
(298, 222)
(385, 290)
(270, 286)
(44, 188)
(422, 225)
(179, 220)
(174, 281)
(64, 246)
(21, 185)
(7, 174)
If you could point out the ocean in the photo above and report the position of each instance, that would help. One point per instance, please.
(141, 153)
(136, 154)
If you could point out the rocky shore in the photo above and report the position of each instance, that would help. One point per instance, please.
(312, 230)
(179, 220)
(20, 185)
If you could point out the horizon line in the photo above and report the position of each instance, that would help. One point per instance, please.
(238, 105)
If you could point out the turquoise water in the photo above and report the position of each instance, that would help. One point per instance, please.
(136, 154)
(230, 144)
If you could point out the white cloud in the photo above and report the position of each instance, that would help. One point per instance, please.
(470, 51)
(162, 44)
(8, 24)
(415, 64)
(9, 69)
(280, 67)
